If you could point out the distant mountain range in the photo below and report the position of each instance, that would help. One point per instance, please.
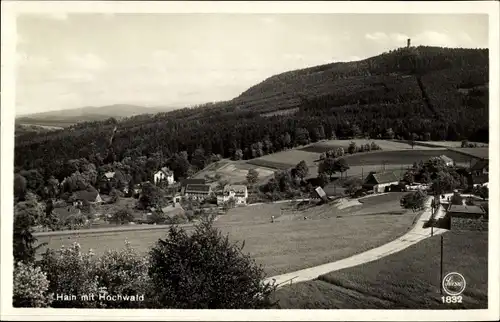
(89, 113)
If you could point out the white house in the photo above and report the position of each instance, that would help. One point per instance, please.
(237, 192)
(164, 174)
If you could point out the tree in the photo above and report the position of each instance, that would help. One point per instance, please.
(301, 170)
(322, 179)
(356, 131)
(229, 204)
(389, 134)
(20, 186)
(327, 167)
(122, 216)
(341, 166)
(339, 152)
(413, 138)
(444, 182)
(302, 136)
(409, 177)
(456, 199)
(352, 148)
(26, 215)
(414, 200)
(238, 155)
(252, 177)
(204, 270)
(353, 185)
(151, 196)
(30, 286)
(198, 159)
(286, 140)
(481, 191)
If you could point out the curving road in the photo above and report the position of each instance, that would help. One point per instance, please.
(415, 235)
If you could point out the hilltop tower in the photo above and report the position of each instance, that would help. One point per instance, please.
(408, 43)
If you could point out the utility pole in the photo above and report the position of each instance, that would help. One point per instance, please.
(441, 267)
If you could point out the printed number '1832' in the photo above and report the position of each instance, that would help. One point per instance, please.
(451, 299)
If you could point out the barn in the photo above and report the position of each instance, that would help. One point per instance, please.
(378, 181)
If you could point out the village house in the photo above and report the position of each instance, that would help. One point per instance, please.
(198, 191)
(237, 192)
(108, 176)
(185, 182)
(447, 160)
(90, 196)
(173, 210)
(466, 217)
(379, 181)
(480, 167)
(62, 213)
(164, 174)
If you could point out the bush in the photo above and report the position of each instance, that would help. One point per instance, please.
(71, 272)
(178, 219)
(123, 272)
(205, 271)
(30, 286)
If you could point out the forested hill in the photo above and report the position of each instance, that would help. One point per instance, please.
(429, 92)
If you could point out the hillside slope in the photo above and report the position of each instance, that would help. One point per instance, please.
(428, 92)
(88, 114)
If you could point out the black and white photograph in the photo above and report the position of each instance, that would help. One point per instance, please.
(215, 157)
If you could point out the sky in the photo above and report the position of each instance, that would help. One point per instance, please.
(74, 60)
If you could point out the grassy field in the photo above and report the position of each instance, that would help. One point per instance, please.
(384, 144)
(286, 159)
(234, 171)
(405, 280)
(481, 153)
(286, 245)
(447, 144)
(392, 157)
(402, 157)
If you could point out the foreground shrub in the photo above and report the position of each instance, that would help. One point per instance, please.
(123, 272)
(30, 286)
(71, 272)
(205, 271)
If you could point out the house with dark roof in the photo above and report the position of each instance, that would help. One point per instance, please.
(447, 160)
(108, 175)
(480, 167)
(63, 213)
(378, 181)
(231, 191)
(466, 217)
(173, 210)
(90, 196)
(185, 182)
(198, 191)
(165, 175)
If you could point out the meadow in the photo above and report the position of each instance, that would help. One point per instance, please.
(288, 244)
(409, 279)
(447, 144)
(385, 145)
(285, 159)
(402, 157)
(235, 172)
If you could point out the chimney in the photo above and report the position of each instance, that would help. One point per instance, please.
(408, 43)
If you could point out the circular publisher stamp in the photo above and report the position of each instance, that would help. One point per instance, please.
(454, 284)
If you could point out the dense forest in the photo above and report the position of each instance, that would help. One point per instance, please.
(426, 92)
